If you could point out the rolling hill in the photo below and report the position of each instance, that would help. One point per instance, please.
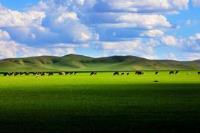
(83, 63)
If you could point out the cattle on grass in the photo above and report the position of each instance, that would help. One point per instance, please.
(93, 73)
(33, 73)
(139, 72)
(16, 73)
(61, 73)
(21, 73)
(42, 73)
(5, 74)
(66, 73)
(75, 73)
(26, 73)
(51, 73)
(176, 72)
(71, 73)
(156, 73)
(122, 73)
(115, 73)
(171, 72)
(198, 73)
(11, 74)
(127, 74)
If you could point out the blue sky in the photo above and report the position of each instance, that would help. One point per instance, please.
(154, 29)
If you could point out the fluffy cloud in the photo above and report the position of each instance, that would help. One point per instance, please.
(58, 27)
(128, 20)
(169, 40)
(193, 43)
(4, 35)
(146, 21)
(11, 49)
(171, 56)
(11, 18)
(196, 37)
(192, 56)
(196, 3)
(144, 5)
(137, 47)
(152, 33)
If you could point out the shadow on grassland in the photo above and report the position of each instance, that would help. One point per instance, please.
(102, 108)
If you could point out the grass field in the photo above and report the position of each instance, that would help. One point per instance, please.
(101, 103)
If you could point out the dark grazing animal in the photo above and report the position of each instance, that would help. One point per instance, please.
(93, 73)
(71, 73)
(34, 73)
(21, 73)
(122, 73)
(42, 73)
(115, 73)
(75, 73)
(5, 74)
(198, 73)
(61, 73)
(139, 72)
(176, 72)
(26, 73)
(17, 73)
(127, 74)
(11, 74)
(50, 73)
(66, 73)
(171, 72)
(156, 73)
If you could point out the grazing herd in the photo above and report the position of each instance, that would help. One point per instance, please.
(117, 73)
(173, 72)
(36, 73)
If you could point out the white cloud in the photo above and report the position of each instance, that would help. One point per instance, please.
(12, 18)
(172, 56)
(66, 16)
(11, 49)
(4, 35)
(152, 33)
(36, 30)
(8, 49)
(193, 43)
(196, 37)
(125, 46)
(190, 56)
(136, 20)
(147, 21)
(148, 5)
(136, 47)
(66, 22)
(196, 3)
(169, 40)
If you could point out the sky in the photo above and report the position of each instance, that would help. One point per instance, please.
(153, 29)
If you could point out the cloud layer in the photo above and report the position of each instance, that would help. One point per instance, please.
(59, 27)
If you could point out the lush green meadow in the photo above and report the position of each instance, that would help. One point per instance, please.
(101, 103)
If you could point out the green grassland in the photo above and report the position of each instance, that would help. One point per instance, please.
(101, 103)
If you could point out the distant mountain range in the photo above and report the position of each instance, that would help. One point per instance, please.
(83, 63)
